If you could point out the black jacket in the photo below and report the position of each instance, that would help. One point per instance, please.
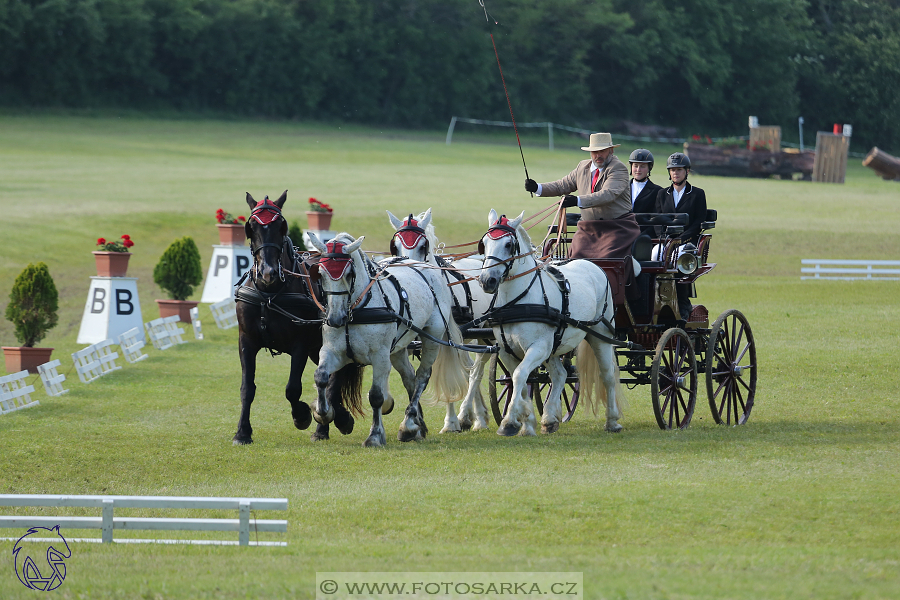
(693, 202)
(646, 200)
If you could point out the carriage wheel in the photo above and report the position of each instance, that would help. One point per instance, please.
(673, 380)
(539, 391)
(731, 369)
(500, 387)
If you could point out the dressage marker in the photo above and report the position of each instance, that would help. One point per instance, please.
(52, 380)
(107, 522)
(14, 393)
(112, 308)
(227, 266)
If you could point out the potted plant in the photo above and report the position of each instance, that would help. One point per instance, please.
(32, 310)
(112, 257)
(318, 217)
(231, 229)
(177, 273)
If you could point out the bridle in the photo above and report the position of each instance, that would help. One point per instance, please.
(498, 230)
(410, 234)
(265, 213)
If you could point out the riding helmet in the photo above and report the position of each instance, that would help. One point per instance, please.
(678, 160)
(641, 155)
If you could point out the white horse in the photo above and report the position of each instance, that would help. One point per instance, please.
(415, 239)
(525, 345)
(363, 302)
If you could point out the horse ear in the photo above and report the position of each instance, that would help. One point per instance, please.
(251, 201)
(492, 217)
(317, 243)
(397, 223)
(517, 221)
(425, 221)
(350, 249)
(280, 202)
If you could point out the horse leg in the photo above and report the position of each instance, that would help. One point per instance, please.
(329, 363)
(410, 426)
(381, 369)
(520, 417)
(451, 422)
(606, 360)
(552, 407)
(248, 352)
(473, 412)
(299, 410)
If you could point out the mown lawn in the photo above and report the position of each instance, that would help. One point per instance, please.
(799, 503)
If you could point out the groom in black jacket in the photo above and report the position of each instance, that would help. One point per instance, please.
(643, 191)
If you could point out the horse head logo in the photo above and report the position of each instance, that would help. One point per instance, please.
(49, 571)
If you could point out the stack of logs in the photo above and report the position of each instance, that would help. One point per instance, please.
(743, 162)
(887, 166)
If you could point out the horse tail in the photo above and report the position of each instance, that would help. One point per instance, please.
(450, 373)
(348, 381)
(590, 382)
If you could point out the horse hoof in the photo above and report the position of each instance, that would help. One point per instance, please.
(315, 436)
(304, 421)
(613, 427)
(465, 424)
(551, 428)
(406, 435)
(344, 423)
(374, 441)
(241, 441)
(324, 419)
(508, 430)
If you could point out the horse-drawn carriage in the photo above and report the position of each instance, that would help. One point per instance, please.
(666, 353)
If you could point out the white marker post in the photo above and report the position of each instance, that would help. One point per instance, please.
(227, 266)
(112, 308)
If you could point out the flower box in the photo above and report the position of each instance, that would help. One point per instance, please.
(232, 235)
(111, 264)
(318, 220)
(182, 308)
(22, 358)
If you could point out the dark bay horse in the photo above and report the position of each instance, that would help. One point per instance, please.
(275, 311)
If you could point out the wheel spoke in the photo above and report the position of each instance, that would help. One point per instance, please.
(737, 341)
(675, 404)
(724, 399)
(662, 409)
(743, 352)
(747, 387)
(740, 398)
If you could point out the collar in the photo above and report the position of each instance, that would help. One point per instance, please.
(687, 189)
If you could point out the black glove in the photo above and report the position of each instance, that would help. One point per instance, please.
(530, 185)
(569, 201)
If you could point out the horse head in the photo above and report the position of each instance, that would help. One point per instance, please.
(502, 247)
(339, 275)
(266, 229)
(414, 237)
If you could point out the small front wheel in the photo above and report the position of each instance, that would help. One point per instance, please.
(673, 380)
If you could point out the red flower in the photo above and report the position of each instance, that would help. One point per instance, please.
(242, 218)
(696, 137)
(126, 237)
(313, 201)
(100, 241)
(128, 243)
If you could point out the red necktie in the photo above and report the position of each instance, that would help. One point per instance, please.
(595, 178)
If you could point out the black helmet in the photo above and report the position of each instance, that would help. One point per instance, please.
(678, 160)
(641, 155)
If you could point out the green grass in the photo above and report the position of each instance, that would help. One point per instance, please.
(800, 503)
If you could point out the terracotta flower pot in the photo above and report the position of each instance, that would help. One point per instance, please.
(20, 358)
(111, 264)
(182, 308)
(231, 235)
(318, 221)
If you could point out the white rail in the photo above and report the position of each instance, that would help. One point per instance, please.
(850, 270)
(107, 523)
(15, 394)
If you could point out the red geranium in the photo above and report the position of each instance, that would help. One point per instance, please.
(319, 206)
(225, 218)
(120, 245)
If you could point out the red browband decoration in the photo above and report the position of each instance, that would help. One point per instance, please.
(265, 212)
(335, 267)
(500, 229)
(410, 233)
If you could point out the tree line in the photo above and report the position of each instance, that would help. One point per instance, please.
(701, 65)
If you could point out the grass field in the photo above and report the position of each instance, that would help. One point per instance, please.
(799, 503)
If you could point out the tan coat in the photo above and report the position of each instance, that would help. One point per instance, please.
(610, 199)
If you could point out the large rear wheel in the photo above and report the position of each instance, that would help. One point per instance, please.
(731, 369)
(673, 380)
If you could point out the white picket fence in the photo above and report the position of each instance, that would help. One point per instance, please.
(224, 312)
(107, 522)
(195, 322)
(131, 345)
(850, 270)
(95, 361)
(15, 394)
(52, 380)
(164, 333)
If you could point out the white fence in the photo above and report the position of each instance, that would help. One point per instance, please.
(107, 523)
(225, 313)
(14, 394)
(195, 323)
(52, 380)
(95, 361)
(164, 333)
(850, 270)
(131, 345)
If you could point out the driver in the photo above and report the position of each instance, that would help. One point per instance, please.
(607, 228)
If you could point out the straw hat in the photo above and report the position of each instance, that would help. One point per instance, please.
(600, 141)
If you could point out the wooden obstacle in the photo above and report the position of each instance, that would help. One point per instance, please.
(131, 345)
(15, 394)
(107, 523)
(742, 162)
(164, 333)
(52, 380)
(195, 323)
(887, 166)
(224, 313)
(850, 270)
(766, 136)
(95, 361)
(831, 157)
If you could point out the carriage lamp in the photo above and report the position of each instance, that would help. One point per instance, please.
(687, 261)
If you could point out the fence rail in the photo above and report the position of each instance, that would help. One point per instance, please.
(850, 270)
(107, 523)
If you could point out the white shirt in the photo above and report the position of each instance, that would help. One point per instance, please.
(676, 195)
(636, 188)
